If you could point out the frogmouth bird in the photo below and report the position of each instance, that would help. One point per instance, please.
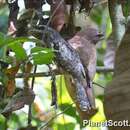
(84, 42)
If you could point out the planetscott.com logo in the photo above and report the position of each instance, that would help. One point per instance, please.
(106, 123)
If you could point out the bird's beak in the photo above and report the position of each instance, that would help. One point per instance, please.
(100, 35)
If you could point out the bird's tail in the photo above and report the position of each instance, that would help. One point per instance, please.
(89, 91)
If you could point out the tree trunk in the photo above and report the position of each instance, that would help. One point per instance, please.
(117, 93)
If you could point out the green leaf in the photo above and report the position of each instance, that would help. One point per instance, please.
(41, 49)
(19, 51)
(42, 55)
(71, 111)
(2, 38)
(2, 52)
(2, 122)
(68, 126)
(9, 40)
(42, 58)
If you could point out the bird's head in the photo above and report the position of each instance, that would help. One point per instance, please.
(92, 35)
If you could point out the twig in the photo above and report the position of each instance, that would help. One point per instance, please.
(53, 88)
(33, 78)
(98, 85)
(30, 106)
(102, 69)
(48, 122)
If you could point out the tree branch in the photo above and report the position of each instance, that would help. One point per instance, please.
(57, 72)
(117, 20)
(104, 69)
